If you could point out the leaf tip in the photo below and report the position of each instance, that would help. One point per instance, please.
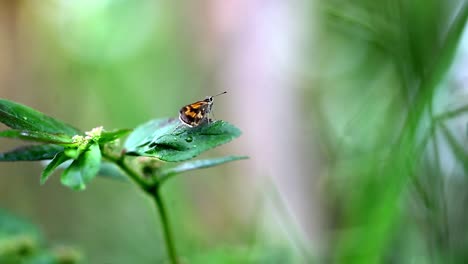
(44, 176)
(43, 180)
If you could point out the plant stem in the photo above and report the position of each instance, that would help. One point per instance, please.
(119, 161)
(153, 190)
(165, 225)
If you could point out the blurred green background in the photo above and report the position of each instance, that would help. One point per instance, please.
(354, 116)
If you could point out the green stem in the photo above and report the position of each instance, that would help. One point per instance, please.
(119, 161)
(165, 225)
(153, 190)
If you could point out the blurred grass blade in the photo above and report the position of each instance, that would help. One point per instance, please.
(197, 164)
(108, 136)
(56, 161)
(450, 45)
(423, 52)
(456, 30)
(31, 153)
(59, 139)
(458, 150)
(83, 169)
(21, 117)
(453, 113)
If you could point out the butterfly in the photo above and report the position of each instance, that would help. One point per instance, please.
(197, 113)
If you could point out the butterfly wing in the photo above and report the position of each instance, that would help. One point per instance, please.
(194, 114)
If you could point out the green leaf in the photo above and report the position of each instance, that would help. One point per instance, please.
(197, 164)
(21, 117)
(75, 152)
(83, 169)
(145, 133)
(31, 153)
(56, 161)
(111, 171)
(37, 136)
(169, 140)
(108, 136)
(186, 143)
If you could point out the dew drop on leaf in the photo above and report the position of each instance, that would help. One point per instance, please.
(189, 139)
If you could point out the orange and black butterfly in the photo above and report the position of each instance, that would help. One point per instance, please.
(197, 113)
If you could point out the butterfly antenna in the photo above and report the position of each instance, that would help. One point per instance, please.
(220, 94)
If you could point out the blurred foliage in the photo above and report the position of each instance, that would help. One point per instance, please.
(116, 64)
(385, 63)
(132, 54)
(234, 255)
(22, 242)
(165, 139)
(395, 181)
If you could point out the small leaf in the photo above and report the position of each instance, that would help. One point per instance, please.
(58, 159)
(111, 171)
(191, 142)
(108, 136)
(21, 117)
(31, 153)
(59, 139)
(197, 164)
(145, 133)
(83, 169)
(173, 142)
(74, 153)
